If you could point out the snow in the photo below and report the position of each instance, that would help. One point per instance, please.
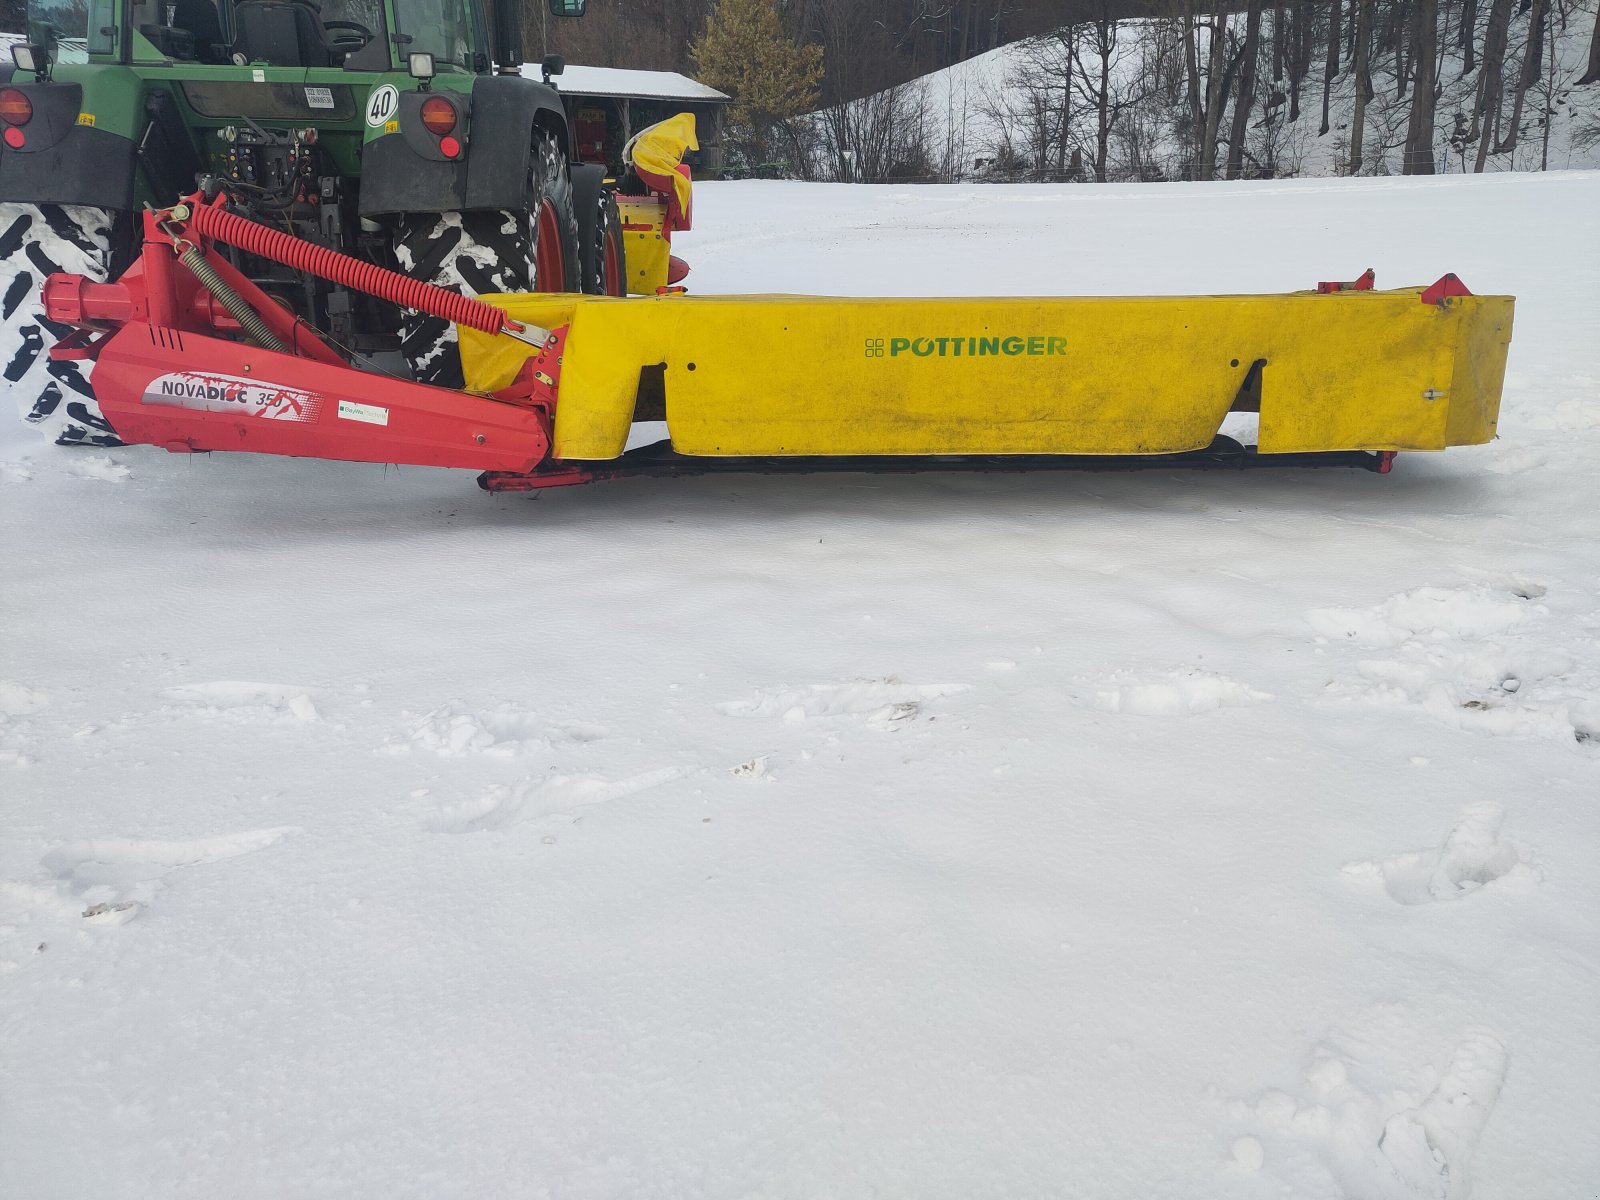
(1167, 834)
(579, 80)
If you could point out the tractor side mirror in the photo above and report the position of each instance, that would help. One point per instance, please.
(568, 8)
(34, 57)
(552, 66)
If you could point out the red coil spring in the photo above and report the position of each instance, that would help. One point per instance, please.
(366, 277)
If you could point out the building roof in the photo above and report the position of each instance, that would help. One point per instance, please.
(635, 85)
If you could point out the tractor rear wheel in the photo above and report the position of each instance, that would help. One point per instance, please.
(602, 267)
(37, 240)
(473, 253)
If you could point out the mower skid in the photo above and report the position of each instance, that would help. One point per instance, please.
(777, 376)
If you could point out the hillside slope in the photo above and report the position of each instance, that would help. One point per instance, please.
(999, 114)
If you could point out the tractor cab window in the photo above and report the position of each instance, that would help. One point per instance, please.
(443, 28)
(182, 30)
(282, 33)
(71, 28)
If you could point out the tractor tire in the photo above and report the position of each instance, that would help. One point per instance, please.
(473, 253)
(602, 264)
(37, 240)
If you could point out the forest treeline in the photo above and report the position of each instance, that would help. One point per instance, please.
(1108, 89)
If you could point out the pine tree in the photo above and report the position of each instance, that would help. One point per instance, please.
(746, 52)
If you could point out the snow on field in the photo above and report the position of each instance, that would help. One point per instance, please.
(1152, 835)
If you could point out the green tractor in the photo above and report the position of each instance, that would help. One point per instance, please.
(403, 132)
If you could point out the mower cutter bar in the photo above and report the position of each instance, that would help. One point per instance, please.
(659, 461)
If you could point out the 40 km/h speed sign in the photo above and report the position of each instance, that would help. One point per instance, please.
(381, 104)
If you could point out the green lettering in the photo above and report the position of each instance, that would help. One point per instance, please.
(922, 347)
(1058, 345)
(988, 345)
(943, 342)
(1036, 345)
(898, 344)
(1012, 345)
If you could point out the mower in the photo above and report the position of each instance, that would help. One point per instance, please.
(192, 356)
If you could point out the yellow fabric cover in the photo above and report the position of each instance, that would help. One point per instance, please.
(659, 149)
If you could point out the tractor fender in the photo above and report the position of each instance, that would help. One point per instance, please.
(63, 162)
(504, 110)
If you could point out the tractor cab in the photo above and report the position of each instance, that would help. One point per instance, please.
(358, 35)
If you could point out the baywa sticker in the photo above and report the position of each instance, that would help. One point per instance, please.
(1035, 346)
(381, 104)
(205, 392)
(372, 414)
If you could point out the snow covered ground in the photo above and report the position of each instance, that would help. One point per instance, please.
(1151, 835)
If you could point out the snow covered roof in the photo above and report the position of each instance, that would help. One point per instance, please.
(636, 85)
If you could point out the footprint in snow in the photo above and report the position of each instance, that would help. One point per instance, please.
(555, 801)
(1474, 856)
(1431, 1146)
(110, 879)
(17, 704)
(99, 466)
(1444, 667)
(1481, 688)
(16, 700)
(1378, 1142)
(883, 704)
(244, 701)
(1429, 612)
(1175, 694)
(454, 731)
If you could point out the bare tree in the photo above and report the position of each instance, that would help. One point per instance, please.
(1332, 66)
(1363, 81)
(1491, 80)
(1216, 93)
(1592, 75)
(1036, 108)
(1098, 79)
(1532, 69)
(1419, 137)
(1245, 98)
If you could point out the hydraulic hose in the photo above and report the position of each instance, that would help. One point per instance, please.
(366, 277)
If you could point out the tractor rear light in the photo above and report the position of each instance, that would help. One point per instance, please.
(15, 107)
(439, 116)
(449, 147)
(15, 138)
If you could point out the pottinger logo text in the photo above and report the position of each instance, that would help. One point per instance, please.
(967, 347)
(229, 394)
